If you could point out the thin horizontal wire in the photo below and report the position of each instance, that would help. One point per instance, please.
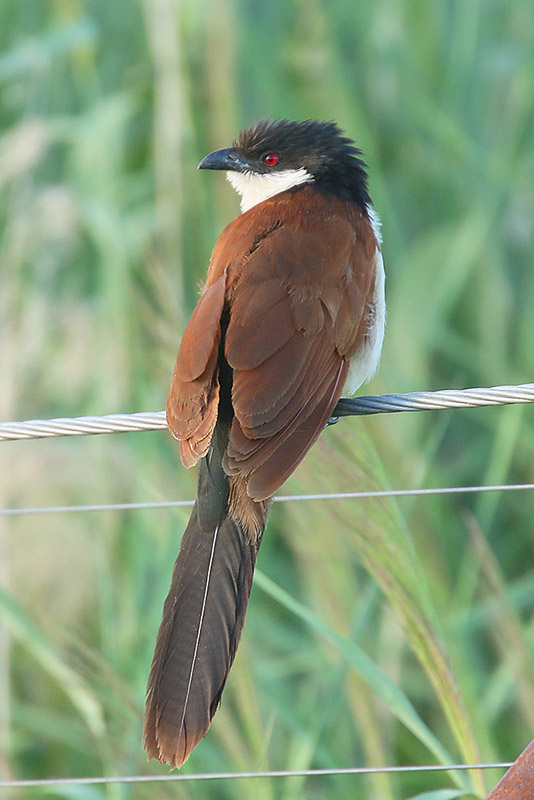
(217, 776)
(284, 498)
(387, 403)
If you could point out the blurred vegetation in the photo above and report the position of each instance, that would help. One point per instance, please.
(378, 632)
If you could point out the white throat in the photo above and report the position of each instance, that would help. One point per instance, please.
(255, 188)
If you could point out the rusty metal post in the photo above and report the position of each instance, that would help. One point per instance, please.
(518, 782)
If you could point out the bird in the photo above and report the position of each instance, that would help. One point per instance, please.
(291, 315)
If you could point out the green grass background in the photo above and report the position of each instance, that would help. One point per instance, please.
(378, 632)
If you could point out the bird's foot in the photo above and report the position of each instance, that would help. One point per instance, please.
(332, 421)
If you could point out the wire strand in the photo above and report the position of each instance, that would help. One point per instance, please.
(284, 498)
(431, 401)
(355, 406)
(217, 776)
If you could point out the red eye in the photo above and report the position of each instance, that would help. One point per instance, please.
(271, 159)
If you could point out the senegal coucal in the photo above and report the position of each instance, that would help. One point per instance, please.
(291, 315)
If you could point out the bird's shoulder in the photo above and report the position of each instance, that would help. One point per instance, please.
(299, 230)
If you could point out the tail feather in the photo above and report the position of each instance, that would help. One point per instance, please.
(202, 620)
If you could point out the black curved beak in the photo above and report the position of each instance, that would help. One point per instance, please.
(227, 159)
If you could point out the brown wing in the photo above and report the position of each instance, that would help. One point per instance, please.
(193, 398)
(298, 312)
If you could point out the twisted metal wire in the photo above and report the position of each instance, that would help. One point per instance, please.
(386, 403)
(82, 426)
(430, 401)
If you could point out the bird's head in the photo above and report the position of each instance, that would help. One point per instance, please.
(274, 156)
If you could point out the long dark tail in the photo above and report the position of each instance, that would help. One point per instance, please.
(203, 614)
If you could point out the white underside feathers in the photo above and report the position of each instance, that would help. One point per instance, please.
(365, 363)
